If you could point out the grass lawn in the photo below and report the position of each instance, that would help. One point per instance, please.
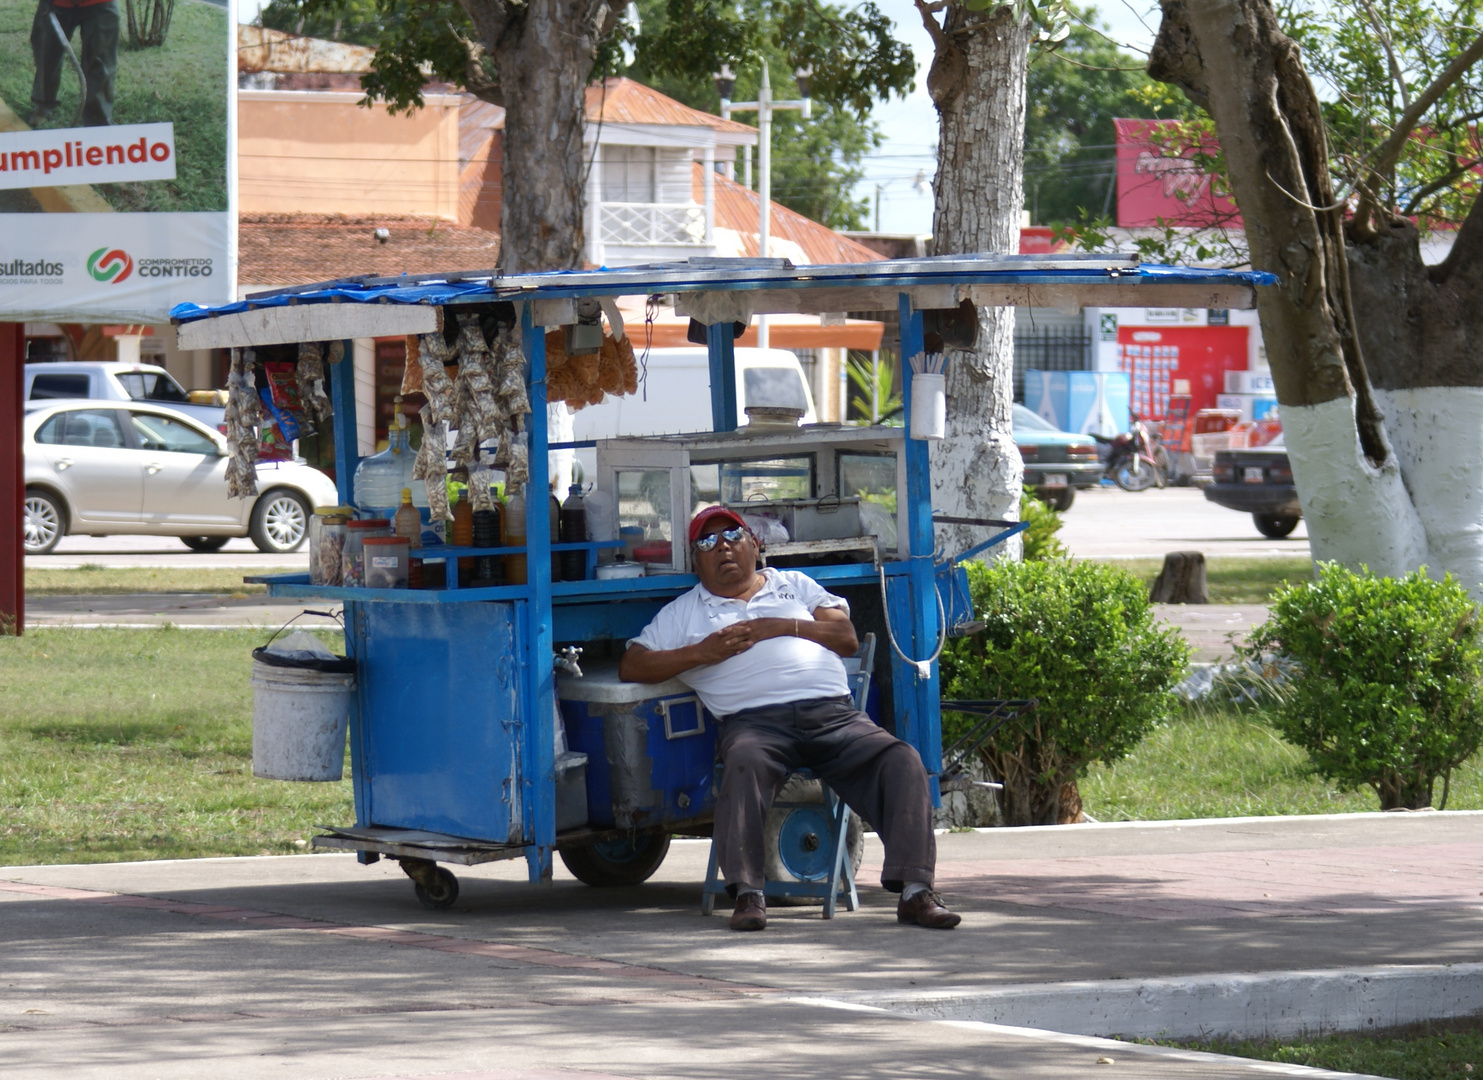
(137, 744)
(93, 579)
(1234, 580)
(1436, 1051)
(183, 82)
(1223, 763)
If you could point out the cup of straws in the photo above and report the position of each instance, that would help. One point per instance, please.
(928, 397)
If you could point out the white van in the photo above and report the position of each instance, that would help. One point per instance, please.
(677, 397)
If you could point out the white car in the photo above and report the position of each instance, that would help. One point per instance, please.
(107, 468)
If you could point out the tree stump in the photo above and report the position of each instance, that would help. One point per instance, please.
(1182, 580)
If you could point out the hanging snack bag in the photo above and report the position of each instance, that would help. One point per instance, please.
(287, 424)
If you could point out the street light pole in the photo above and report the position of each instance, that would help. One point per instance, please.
(764, 107)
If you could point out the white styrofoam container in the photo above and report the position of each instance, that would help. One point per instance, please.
(1251, 406)
(1250, 382)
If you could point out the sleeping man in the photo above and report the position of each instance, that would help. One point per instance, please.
(762, 650)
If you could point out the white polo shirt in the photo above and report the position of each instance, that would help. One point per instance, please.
(771, 672)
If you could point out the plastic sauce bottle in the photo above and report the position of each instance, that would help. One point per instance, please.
(408, 524)
(514, 522)
(463, 534)
(573, 530)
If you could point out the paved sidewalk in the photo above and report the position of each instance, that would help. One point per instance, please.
(314, 966)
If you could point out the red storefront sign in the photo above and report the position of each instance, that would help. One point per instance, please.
(1163, 361)
(1158, 182)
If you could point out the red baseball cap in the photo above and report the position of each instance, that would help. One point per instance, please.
(711, 513)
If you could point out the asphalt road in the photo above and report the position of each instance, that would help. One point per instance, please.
(1109, 523)
(1104, 523)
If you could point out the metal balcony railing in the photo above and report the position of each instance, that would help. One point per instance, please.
(652, 223)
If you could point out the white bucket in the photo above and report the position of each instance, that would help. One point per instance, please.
(299, 719)
(928, 406)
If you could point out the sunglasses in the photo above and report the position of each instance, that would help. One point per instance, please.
(732, 535)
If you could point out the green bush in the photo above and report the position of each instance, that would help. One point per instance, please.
(1080, 638)
(1040, 538)
(1387, 689)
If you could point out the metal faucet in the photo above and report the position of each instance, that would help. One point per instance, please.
(566, 660)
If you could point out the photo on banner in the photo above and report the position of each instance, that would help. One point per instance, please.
(116, 127)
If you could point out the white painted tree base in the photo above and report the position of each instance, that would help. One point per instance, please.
(1437, 435)
(1356, 514)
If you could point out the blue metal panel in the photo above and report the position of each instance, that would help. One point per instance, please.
(540, 704)
(722, 344)
(596, 622)
(923, 717)
(439, 693)
(342, 399)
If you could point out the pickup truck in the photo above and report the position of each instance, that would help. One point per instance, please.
(114, 381)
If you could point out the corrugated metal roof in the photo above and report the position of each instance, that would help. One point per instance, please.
(736, 210)
(944, 273)
(619, 100)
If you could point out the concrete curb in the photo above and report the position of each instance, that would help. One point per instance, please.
(1261, 1005)
(1106, 1046)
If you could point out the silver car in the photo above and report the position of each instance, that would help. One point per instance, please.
(107, 468)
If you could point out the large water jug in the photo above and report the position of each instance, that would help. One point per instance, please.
(379, 479)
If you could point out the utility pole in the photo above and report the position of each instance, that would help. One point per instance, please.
(764, 107)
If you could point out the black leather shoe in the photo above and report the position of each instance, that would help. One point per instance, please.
(750, 913)
(927, 909)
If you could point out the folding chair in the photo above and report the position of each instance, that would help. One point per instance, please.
(813, 839)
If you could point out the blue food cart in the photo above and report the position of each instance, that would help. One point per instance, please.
(456, 741)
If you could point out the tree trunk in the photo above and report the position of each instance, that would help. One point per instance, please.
(1232, 58)
(1182, 580)
(544, 51)
(977, 82)
(1428, 374)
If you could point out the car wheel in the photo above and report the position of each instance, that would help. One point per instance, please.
(44, 523)
(205, 543)
(1061, 501)
(280, 522)
(1275, 525)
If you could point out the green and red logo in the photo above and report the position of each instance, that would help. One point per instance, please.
(110, 265)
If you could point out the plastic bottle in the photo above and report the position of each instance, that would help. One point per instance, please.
(488, 569)
(408, 522)
(379, 479)
(514, 522)
(573, 530)
(553, 509)
(602, 522)
(463, 534)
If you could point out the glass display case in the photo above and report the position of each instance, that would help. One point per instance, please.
(822, 485)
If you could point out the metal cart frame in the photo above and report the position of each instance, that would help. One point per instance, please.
(531, 617)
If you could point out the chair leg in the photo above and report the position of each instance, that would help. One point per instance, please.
(711, 887)
(842, 871)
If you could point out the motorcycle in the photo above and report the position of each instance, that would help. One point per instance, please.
(1135, 460)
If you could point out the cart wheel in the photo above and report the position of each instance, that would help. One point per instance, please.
(442, 893)
(795, 840)
(629, 861)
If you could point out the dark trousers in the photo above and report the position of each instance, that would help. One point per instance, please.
(98, 56)
(878, 775)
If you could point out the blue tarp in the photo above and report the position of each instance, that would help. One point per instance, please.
(699, 275)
